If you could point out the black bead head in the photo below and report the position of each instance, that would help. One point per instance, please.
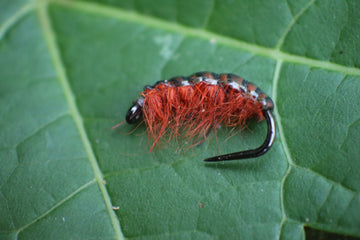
(134, 114)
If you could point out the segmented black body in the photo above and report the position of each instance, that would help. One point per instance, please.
(249, 89)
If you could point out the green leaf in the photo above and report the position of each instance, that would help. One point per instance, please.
(69, 70)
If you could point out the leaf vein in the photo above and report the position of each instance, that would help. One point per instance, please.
(33, 133)
(56, 205)
(203, 34)
(283, 142)
(50, 39)
(207, 19)
(324, 177)
(16, 17)
(292, 22)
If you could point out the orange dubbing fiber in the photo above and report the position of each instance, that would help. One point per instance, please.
(194, 110)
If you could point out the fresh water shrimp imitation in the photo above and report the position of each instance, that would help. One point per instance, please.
(195, 105)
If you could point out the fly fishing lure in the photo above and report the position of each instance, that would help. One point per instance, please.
(193, 106)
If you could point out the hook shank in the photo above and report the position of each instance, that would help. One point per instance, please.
(270, 137)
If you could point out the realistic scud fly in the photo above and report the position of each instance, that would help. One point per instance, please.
(195, 105)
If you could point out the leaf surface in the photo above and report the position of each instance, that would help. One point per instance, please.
(70, 70)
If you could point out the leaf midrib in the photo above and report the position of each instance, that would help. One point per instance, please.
(50, 39)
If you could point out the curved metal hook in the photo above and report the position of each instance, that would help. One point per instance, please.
(270, 137)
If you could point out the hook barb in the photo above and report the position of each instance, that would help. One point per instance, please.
(270, 137)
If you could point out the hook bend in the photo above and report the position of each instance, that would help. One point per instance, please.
(270, 137)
